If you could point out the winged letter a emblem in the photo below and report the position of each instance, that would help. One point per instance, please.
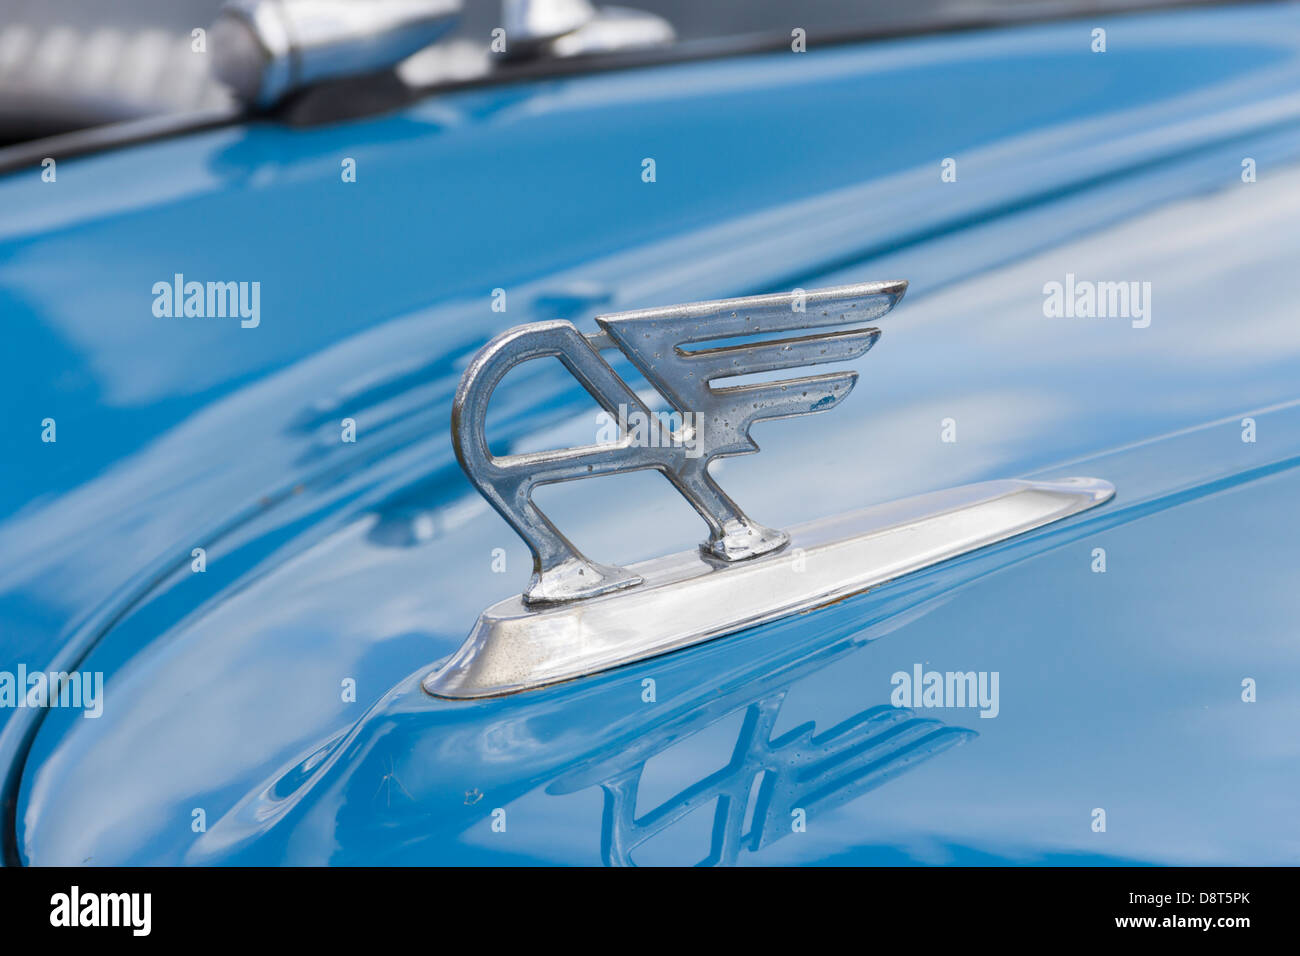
(657, 342)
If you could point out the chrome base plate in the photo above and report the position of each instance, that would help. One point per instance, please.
(689, 598)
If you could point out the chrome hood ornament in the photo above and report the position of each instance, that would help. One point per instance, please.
(653, 340)
(577, 616)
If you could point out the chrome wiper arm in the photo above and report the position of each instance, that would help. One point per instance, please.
(267, 49)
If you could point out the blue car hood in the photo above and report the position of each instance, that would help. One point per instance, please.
(267, 709)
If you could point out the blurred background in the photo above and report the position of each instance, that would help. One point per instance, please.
(68, 64)
(71, 64)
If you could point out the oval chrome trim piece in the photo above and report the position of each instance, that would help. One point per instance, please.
(692, 597)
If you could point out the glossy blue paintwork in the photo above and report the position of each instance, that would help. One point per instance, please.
(369, 561)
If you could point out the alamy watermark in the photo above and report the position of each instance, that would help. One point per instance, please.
(208, 300)
(654, 430)
(74, 908)
(1086, 299)
(83, 689)
(922, 688)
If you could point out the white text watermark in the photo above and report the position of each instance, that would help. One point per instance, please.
(922, 688)
(652, 430)
(81, 689)
(209, 300)
(1086, 299)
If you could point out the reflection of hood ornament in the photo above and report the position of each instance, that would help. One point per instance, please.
(578, 617)
(802, 769)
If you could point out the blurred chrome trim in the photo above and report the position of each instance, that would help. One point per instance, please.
(564, 28)
(266, 49)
